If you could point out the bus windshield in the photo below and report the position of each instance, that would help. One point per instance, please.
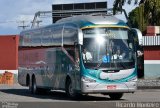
(108, 48)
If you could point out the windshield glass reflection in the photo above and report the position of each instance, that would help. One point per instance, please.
(108, 48)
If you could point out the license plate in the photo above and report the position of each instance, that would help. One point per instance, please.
(111, 87)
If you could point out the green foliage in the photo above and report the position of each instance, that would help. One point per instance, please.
(137, 19)
(119, 3)
(148, 13)
(152, 10)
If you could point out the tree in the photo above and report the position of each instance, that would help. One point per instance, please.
(148, 13)
(152, 11)
(138, 18)
(119, 3)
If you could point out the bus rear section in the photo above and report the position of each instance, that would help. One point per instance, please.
(51, 68)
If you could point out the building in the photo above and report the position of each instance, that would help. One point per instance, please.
(151, 46)
(8, 57)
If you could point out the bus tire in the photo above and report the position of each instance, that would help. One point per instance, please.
(116, 96)
(69, 89)
(30, 85)
(34, 89)
(27, 80)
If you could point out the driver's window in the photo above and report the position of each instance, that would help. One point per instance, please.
(87, 56)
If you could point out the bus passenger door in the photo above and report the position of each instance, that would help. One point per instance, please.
(73, 67)
(77, 69)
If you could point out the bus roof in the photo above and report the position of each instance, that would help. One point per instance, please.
(90, 20)
(51, 35)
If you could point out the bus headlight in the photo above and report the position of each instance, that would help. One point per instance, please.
(86, 79)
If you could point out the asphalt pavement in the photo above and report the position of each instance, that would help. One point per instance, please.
(16, 96)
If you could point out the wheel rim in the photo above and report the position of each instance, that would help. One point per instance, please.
(71, 92)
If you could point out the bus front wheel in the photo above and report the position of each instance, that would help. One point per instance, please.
(69, 89)
(116, 96)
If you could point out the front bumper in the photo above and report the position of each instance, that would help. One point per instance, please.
(94, 87)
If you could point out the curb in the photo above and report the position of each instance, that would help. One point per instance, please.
(148, 84)
(147, 87)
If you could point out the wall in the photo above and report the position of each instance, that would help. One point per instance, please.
(152, 52)
(9, 52)
(8, 57)
(152, 62)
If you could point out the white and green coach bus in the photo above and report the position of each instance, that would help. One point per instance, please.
(52, 57)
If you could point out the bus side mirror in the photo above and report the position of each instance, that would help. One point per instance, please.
(80, 37)
(138, 34)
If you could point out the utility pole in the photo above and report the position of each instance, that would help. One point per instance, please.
(37, 23)
(23, 26)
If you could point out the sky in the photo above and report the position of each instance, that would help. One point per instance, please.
(13, 12)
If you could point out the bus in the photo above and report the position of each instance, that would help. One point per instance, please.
(52, 57)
